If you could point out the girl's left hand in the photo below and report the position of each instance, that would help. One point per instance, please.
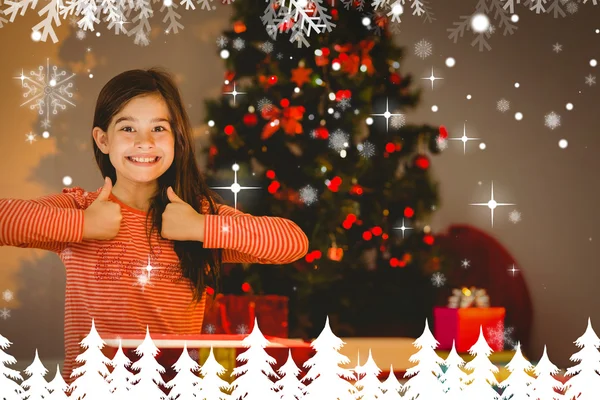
(180, 221)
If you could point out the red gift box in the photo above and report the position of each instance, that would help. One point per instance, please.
(463, 326)
(232, 314)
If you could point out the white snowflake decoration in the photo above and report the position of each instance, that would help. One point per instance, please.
(442, 144)
(239, 44)
(339, 140)
(301, 17)
(344, 103)
(397, 120)
(5, 313)
(308, 195)
(514, 216)
(222, 41)
(438, 279)
(590, 80)
(264, 102)
(242, 329)
(423, 49)
(88, 13)
(552, 120)
(7, 295)
(503, 105)
(465, 263)
(557, 47)
(267, 47)
(48, 90)
(210, 328)
(366, 149)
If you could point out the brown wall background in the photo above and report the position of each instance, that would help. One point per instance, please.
(555, 190)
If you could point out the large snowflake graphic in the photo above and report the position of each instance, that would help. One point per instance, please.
(301, 17)
(48, 90)
(88, 13)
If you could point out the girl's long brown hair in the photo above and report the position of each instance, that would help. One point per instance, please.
(197, 263)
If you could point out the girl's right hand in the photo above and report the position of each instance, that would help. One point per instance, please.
(102, 219)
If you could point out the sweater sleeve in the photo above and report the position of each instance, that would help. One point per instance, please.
(47, 223)
(245, 238)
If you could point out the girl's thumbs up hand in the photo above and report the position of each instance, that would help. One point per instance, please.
(180, 221)
(102, 219)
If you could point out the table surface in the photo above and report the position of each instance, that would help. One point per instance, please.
(170, 341)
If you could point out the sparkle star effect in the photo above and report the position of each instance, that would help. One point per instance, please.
(464, 138)
(465, 263)
(234, 93)
(492, 204)
(30, 137)
(432, 78)
(387, 114)
(403, 228)
(513, 270)
(235, 186)
(48, 90)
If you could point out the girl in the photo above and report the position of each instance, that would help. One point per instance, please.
(142, 252)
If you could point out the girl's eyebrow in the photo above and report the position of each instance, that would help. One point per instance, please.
(127, 118)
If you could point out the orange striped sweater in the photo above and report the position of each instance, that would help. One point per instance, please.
(109, 280)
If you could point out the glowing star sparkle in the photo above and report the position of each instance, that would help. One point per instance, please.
(235, 186)
(465, 263)
(234, 93)
(403, 228)
(48, 91)
(492, 204)
(513, 269)
(387, 114)
(464, 138)
(432, 78)
(30, 137)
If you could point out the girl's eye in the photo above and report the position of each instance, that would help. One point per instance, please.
(128, 127)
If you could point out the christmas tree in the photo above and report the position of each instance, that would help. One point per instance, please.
(313, 112)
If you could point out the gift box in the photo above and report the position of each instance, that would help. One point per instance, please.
(226, 348)
(462, 325)
(232, 314)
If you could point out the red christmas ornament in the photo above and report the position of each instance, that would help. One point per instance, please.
(270, 174)
(210, 290)
(272, 79)
(376, 230)
(321, 133)
(422, 162)
(229, 130)
(390, 147)
(367, 235)
(246, 287)
(273, 187)
(409, 212)
(250, 119)
(428, 239)
(356, 189)
(395, 78)
(443, 132)
(229, 75)
(284, 103)
(340, 94)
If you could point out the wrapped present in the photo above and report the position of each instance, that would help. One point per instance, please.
(462, 325)
(232, 314)
(468, 297)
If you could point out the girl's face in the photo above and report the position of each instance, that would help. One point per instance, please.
(140, 141)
